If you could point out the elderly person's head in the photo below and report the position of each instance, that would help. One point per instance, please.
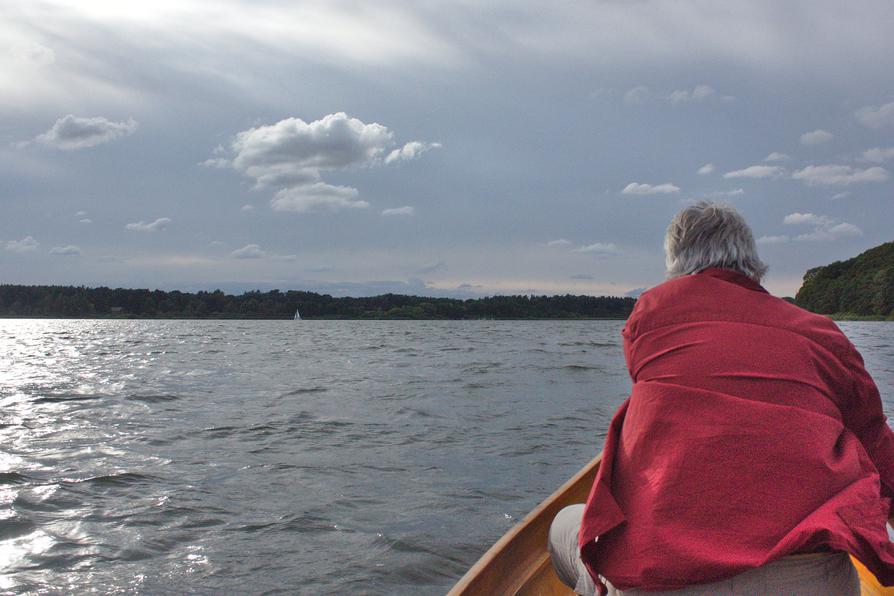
(708, 235)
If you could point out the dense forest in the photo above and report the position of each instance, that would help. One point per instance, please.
(858, 287)
(67, 301)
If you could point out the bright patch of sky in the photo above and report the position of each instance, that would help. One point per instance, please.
(500, 147)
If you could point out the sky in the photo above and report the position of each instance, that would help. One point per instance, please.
(434, 148)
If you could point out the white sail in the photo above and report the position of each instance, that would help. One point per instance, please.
(297, 315)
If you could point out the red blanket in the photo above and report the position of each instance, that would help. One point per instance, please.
(752, 432)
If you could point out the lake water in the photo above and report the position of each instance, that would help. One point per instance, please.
(365, 457)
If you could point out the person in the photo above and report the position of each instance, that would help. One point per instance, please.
(752, 455)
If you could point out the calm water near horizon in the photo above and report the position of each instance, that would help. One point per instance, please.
(313, 457)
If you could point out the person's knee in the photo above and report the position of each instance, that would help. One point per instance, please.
(563, 542)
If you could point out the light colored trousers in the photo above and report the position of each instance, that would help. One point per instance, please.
(799, 575)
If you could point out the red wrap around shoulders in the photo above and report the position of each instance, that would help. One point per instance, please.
(752, 432)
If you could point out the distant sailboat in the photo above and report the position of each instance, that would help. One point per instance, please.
(297, 315)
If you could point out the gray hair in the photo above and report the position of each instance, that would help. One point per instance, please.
(711, 235)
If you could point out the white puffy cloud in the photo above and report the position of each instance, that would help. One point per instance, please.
(757, 172)
(876, 116)
(292, 155)
(706, 169)
(559, 242)
(74, 132)
(635, 188)
(831, 233)
(825, 228)
(839, 175)
(293, 148)
(777, 156)
(637, 96)
(410, 150)
(841, 195)
(153, 226)
(26, 244)
(66, 251)
(405, 211)
(772, 239)
(879, 154)
(85, 220)
(247, 208)
(249, 251)
(697, 94)
(726, 193)
(218, 163)
(317, 197)
(599, 248)
(794, 219)
(816, 137)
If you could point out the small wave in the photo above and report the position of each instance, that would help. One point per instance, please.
(152, 398)
(65, 397)
(15, 527)
(592, 344)
(307, 523)
(303, 390)
(581, 367)
(122, 479)
(13, 478)
(416, 413)
(219, 430)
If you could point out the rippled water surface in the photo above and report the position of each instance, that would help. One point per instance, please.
(368, 457)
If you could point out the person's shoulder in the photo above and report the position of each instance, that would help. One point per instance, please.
(816, 327)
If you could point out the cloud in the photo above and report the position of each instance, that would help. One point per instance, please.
(73, 132)
(85, 220)
(637, 96)
(876, 116)
(757, 172)
(292, 155)
(832, 233)
(66, 251)
(698, 94)
(816, 137)
(559, 242)
(317, 197)
(841, 195)
(794, 219)
(249, 251)
(154, 226)
(772, 239)
(26, 244)
(438, 267)
(247, 208)
(38, 54)
(825, 228)
(410, 151)
(634, 293)
(635, 188)
(726, 193)
(706, 169)
(838, 175)
(218, 163)
(641, 94)
(582, 277)
(879, 154)
(599, 248)
(405, 211)
(777, 156)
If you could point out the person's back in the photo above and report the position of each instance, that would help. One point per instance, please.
(752, 433)
(733, 449)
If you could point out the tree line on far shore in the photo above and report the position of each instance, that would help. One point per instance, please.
(82, 302)
(861, 287)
